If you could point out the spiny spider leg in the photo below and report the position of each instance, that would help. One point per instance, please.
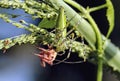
(83, 45)
(42, 49)
(70, 31)
(69, 62)
(60, 61)
(61, 53)
(64, 60)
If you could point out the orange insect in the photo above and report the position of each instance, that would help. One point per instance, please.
(47, 55)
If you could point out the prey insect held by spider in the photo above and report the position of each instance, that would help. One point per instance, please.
(47, 55)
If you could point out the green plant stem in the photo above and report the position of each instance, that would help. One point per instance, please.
(77, 6)
(74, 4)
(97, 8)
(100, 69)
(99, 47)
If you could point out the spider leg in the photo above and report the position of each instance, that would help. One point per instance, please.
(69, 62)
(37, 54)
(4, 50)
(43, 64)
(64, 60)
(45, 60)
(42, 49)
(61, 53)
(68, 55)
(48, 61)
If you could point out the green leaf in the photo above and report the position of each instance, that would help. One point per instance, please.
(47, 23)
(110, 16)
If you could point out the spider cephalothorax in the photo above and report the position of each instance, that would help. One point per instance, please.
(47, 55)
